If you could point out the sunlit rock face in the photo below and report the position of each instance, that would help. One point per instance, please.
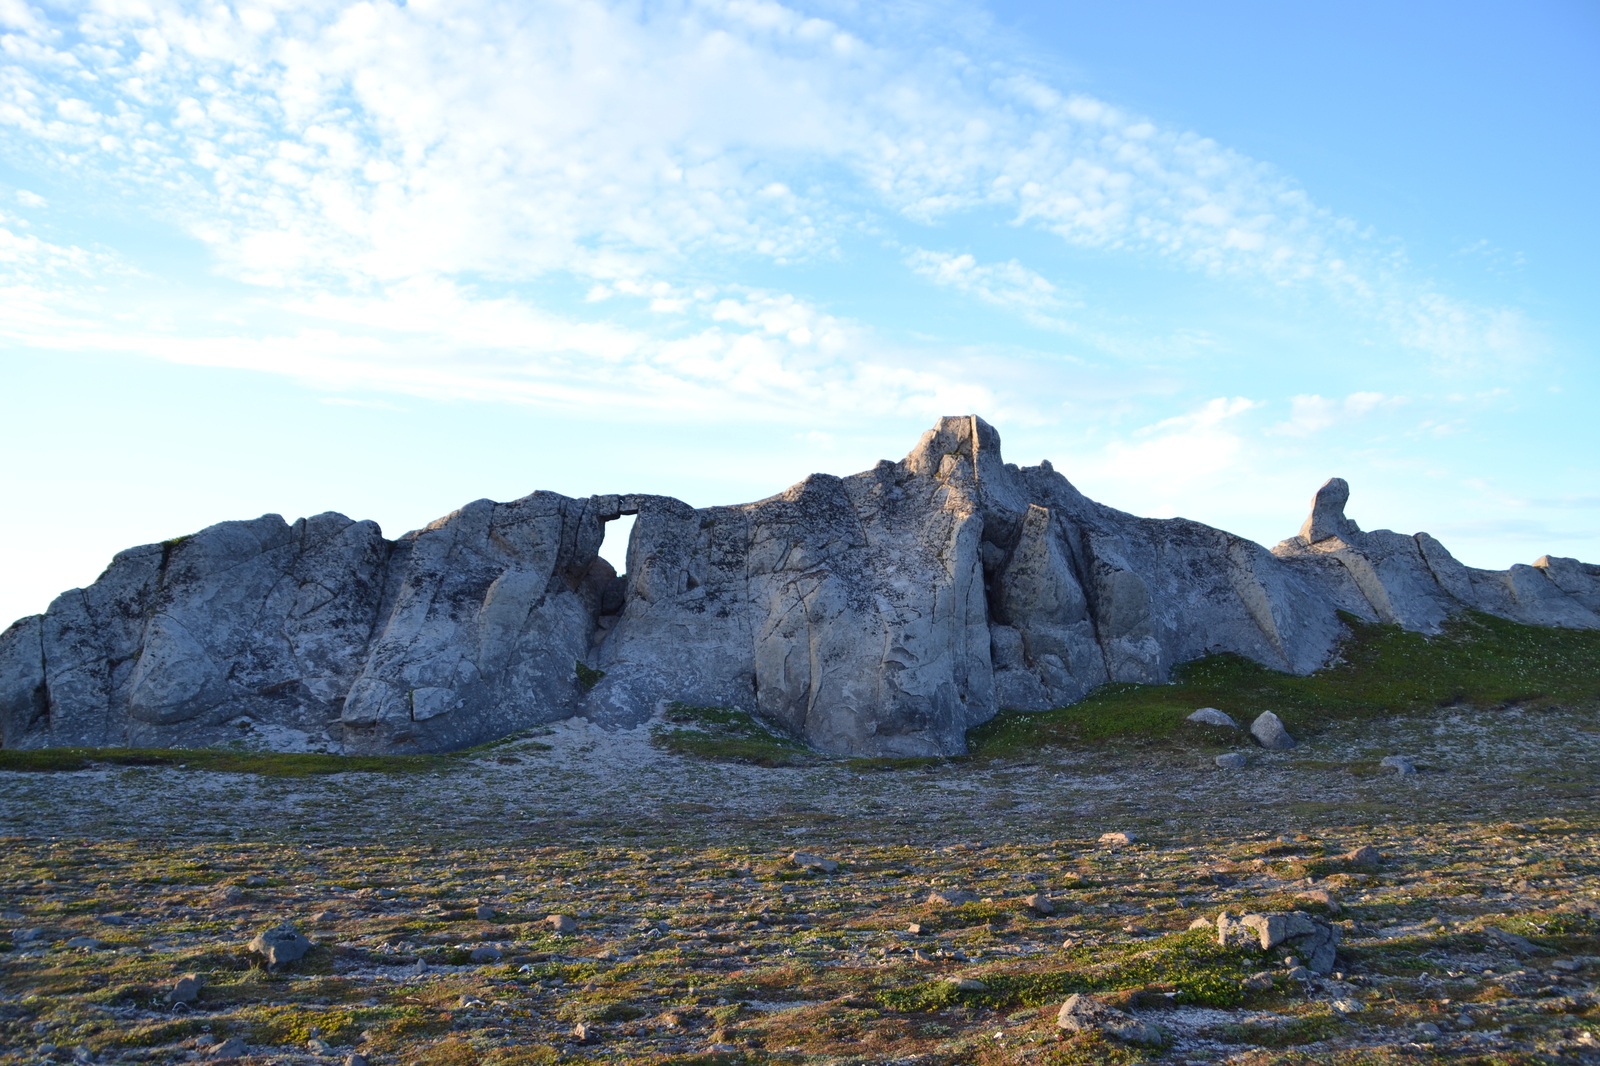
(885, 613)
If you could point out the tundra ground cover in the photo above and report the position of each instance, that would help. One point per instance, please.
(698, 940)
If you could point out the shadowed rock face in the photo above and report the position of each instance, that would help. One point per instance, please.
(884, 613)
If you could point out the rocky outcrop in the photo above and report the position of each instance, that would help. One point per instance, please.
(884, 613)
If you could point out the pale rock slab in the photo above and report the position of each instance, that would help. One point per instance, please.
(884, 613)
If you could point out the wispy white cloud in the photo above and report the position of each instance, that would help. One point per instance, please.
(1174, 457)
(1009, 285)
(1311, 414)
(316, 144)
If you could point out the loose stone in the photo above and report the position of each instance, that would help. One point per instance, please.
(1270, 733)
(1081, 1013)
(280, 945)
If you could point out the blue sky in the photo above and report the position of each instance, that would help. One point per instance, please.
(388, 258)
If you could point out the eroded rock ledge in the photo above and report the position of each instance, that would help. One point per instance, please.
(879, 614)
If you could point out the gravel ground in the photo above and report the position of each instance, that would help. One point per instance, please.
(697, 937)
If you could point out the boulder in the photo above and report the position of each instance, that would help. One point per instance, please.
(1400, 764)
(1082, 1014)
(1365, 855)
(807, 861)
(1212, 716)
(1312, 938)
(1232, 760)
(1269, 731)
(880, 614)
(1040, 904)
(952, 897)
(967, 984)
(561, 923)
(186, 989)
(1117, 839)
(280, 945)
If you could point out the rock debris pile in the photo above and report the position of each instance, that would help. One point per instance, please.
(883, 614)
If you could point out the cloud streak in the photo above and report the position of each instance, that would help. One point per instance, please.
(317, 145)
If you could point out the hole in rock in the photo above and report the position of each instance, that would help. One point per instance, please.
(614, 549)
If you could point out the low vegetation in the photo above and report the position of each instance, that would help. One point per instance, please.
(1479, 660)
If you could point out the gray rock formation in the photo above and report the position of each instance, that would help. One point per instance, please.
(1313, 938)
(879, 614)
(1212, 716)
(1269, 731)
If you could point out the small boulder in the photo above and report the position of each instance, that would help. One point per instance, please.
(561, 923)
(807, 861)
(1313, 938)
(1212, 716)
(1232, 760)
(1084, 1014)
(318, 1046)
(1400, 764)
(584, 1033)
(186, 989)
(1270, 733)
(485, 953)
(87, 943)
(1322, 896)
(280, 945)
(1365, 855)
(1346, 1005)
(1201, 923)
(915, 928)
(1258, 982)
(231, 1048)
(1521, 945)
(228, 895)
(485, 913)
(355, 1058)
(952, 897)
(1039, 903)
(967, 984)
(1117, 839)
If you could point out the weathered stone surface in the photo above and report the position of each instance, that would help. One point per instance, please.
(821, 863)
(1212, 716)
(1081, 1013)
(186, 989)
(1232, 760)
(280, 945)
(952, 897)
(1400, 764)
(1312, 938)
(1039, 903)
(884, 613)
(1269, 731)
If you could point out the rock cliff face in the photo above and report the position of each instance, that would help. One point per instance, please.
(884, 613)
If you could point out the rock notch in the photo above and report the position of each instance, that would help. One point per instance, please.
(884, 613)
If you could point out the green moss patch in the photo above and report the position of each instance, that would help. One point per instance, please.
(1380, 670)
(726, 733)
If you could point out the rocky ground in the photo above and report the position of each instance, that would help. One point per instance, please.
(587, 896)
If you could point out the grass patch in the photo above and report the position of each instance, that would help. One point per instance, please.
(1190, 964)
(588, 676)
(1380, 670)
(726, 733)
